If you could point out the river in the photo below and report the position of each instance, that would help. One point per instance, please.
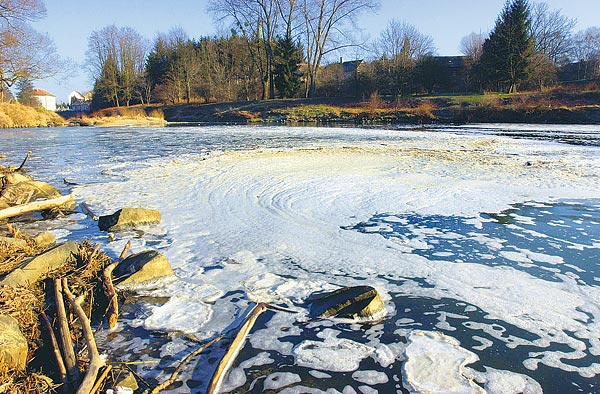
(484, 242)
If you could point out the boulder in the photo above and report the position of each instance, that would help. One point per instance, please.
(142, 268)
(14, 243)
(39, 266)
(128, 218)
(45, 240)
(27, 191)
(126, 379)
(358, 302)
(13, 344)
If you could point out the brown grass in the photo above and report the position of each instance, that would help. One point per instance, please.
(17, 115)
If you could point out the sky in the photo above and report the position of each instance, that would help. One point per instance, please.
(70, 22)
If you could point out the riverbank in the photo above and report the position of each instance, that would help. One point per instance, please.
(552, 107)
(15, 115)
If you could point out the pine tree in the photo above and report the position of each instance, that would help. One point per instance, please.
(25, 93)
(288, 55)
(510, 46)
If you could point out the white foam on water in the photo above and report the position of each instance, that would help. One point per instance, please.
(370, 377)
(278, 380)
(435, 363)
(504, 382)
(267, 224)
(183, 314)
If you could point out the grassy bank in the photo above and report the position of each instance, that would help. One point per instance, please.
(18, 115)
(123, 116)
(548, 107)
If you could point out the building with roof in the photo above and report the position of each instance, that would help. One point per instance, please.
(46, 99)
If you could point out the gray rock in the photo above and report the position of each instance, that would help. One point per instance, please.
(39, 266)
(359, 302)
(128, 218)
(141, 268)
(14, 177)
(45, 239)
(13, 344)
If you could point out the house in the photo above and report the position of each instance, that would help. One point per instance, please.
(46, 99)
(79, 102)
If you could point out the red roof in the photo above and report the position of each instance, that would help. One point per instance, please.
(42, 92)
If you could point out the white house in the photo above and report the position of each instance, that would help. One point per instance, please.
(74, 97)
(46, 99)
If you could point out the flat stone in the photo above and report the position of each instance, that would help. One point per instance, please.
(141, 268)
(359, 302)
(126, 379)
(39, 266)
(24, 192)
(13, 344)
(45, 240)
(128, 218)
(15, 243)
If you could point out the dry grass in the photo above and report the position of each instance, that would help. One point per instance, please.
(18, 115)
(124, 116)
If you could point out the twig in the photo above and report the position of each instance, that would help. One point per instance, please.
(235, 347)
(186, 360)
(88, 211)
(96, 362)
(24, 161)
(34, 206)
(101, 379)
(62, 371)
(65, 334)
(109, 288)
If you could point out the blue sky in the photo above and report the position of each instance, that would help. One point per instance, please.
(70, 22)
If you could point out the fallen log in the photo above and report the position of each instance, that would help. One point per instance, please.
(186, 360)
(88, 211)
(66, 343)
(96, 362)
(109, 288)
(62, 371)
(235, 347)
(35, 206)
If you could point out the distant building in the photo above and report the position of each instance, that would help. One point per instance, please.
(80, 102)
(46, 99)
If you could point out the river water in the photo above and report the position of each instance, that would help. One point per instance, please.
(484, 242)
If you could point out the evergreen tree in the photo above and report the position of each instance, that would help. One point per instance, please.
(509, 48)
(25, 93)
(288, 55)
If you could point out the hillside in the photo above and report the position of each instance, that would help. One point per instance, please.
(15, 115)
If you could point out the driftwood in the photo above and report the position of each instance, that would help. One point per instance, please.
(109, 288)
(24, 161)
(235, 347)
(186, 360)
(62, 371)
(88, 211)
(101, 379)
(65, 334)
(96, 362)
(34, 206)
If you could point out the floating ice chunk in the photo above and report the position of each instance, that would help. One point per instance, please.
(182, 314)
(278, 380)
(332, 354)
(370, 377)
(435, 363)
(505, 382)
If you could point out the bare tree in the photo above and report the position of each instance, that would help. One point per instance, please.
(551, 32)
(133, 49)
(402, 39)
(328, 28)
(586, 50)
(257, 21)
(16, 12)
(471, 46)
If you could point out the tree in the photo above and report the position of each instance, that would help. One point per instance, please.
(257, 21)
(509, 48)
(324, 22)
(551, 32)
(24, 52)
(115, 59)
(471, 47)
(288, 55)
(586, 51)
(25, 93)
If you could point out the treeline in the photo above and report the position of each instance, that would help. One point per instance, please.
(276, 48)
